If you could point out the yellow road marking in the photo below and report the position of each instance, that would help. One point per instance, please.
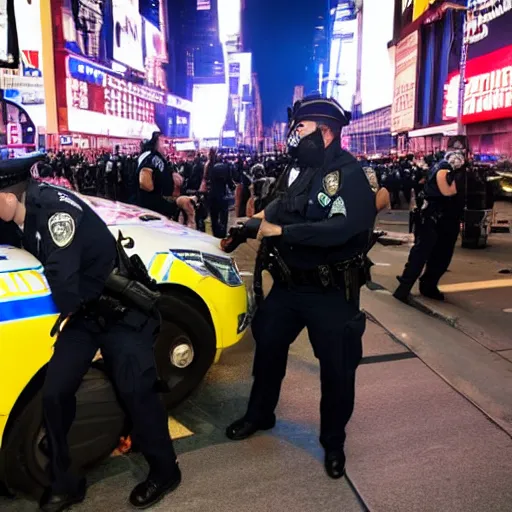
(476, 285)
(177, 430)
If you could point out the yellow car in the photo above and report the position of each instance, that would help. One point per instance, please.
(205, 309)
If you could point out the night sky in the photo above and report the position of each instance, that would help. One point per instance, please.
(280, 35)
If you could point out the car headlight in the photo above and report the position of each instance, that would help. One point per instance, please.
(223, 269)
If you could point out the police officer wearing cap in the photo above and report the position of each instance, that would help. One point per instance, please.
(437, 226)
(80, 258)
(156, 185)
(315, 233)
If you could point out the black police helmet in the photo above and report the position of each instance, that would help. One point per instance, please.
(17, 170)
(319, 109)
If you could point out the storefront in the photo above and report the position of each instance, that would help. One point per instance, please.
(432, 139)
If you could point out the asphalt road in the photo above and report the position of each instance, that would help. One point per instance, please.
(414, 443)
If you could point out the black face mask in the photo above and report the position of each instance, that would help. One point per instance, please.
(310, 151)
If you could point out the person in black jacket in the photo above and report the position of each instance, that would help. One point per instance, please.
(156, 185)
(436, 232)
(79, 255)
(314, 236)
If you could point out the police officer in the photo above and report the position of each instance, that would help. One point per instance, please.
(156, 184)
(79, 255)
(220, 182)
(437, 228)
(315, 231)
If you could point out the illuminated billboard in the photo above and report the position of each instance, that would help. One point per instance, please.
(210, 108)
(9, 56)
(403, 110)
(489, 27)
(102, 103)
(488, 91)
(230, 22)
(341, 81)
(377, 66)
(26, 89)
(127, 33)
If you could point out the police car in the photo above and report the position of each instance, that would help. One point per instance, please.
(204, 307)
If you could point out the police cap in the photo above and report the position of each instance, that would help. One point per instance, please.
(17, 170)
(320, 110)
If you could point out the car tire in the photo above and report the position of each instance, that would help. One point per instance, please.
(185, 348)
(98, 425)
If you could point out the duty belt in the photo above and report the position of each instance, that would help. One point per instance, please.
(346, 275)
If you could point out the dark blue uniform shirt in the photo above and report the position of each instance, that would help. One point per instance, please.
(327, 214)
(74, 245)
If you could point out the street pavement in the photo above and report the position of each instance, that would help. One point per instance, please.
(478, 285)
(430, 432)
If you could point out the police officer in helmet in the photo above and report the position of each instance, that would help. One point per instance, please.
(437, 225)
(94, 287)
(314, 235)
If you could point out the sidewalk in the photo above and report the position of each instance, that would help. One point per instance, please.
(478, 285)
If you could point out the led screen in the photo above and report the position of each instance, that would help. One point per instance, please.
(404, 96)
(210, 107)
(488, 90)
(8, 44)
(104, 104)
(127, 33)
(377, 66)
(341, 82)
(229, 12)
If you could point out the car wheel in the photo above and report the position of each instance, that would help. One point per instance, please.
(95, 433)
(185, 348)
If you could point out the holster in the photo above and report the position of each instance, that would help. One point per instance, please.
(132, 293)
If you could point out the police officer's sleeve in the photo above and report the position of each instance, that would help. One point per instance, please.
(353, 211)
(60, 222)
(272, 211)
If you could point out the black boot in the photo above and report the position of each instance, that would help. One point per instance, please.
(431, 291)
(53, 502)
(242, 429)
(152, 490)
(403, 291)
(335, 463)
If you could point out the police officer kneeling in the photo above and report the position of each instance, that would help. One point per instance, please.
(314, 234)
(79, 255)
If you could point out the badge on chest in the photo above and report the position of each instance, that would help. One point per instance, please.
(332, 183)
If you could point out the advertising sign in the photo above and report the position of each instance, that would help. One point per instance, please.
(404, 100)
(377, 66)
(104, 104)
(488, 91)
(127, 33)
(30, 39)
(489, 28)
(9, 55)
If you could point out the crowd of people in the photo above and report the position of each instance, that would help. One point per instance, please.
(217, 181)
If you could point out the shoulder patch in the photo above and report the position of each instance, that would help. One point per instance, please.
(62, 229)
(338, 208)
(371, 176)
(332, 183)
(64, 198)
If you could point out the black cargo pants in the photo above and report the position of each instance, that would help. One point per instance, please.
(127, 349)
(335, 327)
